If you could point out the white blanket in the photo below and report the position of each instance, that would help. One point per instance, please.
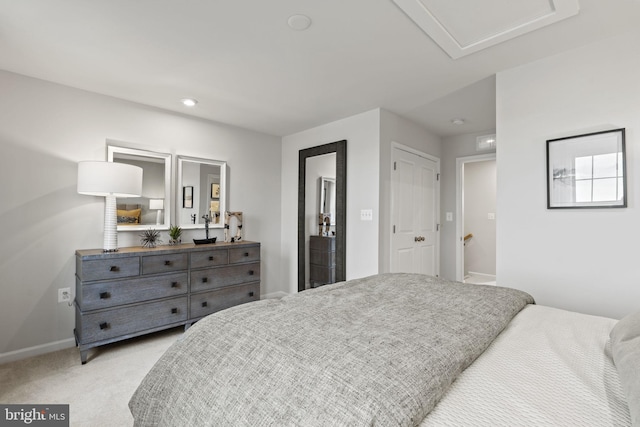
(549, 367)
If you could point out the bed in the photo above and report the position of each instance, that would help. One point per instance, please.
(397, 350)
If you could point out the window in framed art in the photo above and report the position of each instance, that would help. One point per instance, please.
(587, 171)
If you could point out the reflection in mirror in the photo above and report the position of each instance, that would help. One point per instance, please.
(152, 209)
(201, 191)
(313, 247)
(327, 201)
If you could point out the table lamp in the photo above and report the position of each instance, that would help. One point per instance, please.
(110, 180)
(156, 204)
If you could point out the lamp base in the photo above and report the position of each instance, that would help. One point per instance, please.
(110, 243)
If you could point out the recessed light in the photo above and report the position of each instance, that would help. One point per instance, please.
(189, 102)
(299, 22)
(457, 122)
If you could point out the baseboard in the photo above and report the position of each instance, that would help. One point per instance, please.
(475, 273)
(274, 295)
(37, 350)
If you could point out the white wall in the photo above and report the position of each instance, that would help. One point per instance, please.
(362, 134)
(45, 129)
(584, 260)
(394, 128)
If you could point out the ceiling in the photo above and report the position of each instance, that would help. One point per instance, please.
(247, 68)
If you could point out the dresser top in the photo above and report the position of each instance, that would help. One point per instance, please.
(160, 249)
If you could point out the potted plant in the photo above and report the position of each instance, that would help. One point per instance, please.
(174, 233)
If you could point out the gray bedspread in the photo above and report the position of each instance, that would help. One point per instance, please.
(380, 351)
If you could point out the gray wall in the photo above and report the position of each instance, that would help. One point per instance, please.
(452, 149)
(45, 129)
(479, 202)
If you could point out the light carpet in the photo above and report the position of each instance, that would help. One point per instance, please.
(99, 391)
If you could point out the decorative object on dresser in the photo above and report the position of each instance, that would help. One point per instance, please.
(150, 238)
(109, 180)
(175, 232)
(137, 290)
(322, 260)
(232, 226)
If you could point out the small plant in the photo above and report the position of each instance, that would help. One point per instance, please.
(150, 238)
(174, 233)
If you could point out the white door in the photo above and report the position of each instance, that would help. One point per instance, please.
(414, 219)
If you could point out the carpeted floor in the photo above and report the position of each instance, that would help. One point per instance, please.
(99, 391)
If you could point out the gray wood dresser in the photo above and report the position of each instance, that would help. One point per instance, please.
(322, 260)
(137, 290)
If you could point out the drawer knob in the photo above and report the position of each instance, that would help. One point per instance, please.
(175, 284)
(167, 262)
(250, 294)
(205, 280)
(246, 254)
(104, 325)
(174, 310)
(210, 258)
(250, 272)
(105, 295)
(114, 268)
(204, 303)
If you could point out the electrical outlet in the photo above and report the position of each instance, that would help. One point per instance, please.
(64, 294)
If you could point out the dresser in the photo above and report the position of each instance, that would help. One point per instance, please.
(322, 260)
(137, 290)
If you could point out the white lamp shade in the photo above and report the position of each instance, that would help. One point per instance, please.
(156, 204)
(109, 178)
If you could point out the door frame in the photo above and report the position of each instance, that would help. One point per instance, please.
(402, 147)
(460, 162)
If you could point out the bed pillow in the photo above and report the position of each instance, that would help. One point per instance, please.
(625, 348)
(129, 217)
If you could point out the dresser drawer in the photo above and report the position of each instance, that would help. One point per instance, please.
(246, 254)
(104, 269)
(321, 275)
(322, 243)
(106, 324)
(326, 259)
(164, 263)
(206, 303)
(108, 294)
(212, 278)
(210, 258)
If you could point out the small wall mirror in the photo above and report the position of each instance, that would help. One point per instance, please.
(153, 208)
(201, 191)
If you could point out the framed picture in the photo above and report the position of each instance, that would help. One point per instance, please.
(587, 171)
(187, 196)
(215, 191)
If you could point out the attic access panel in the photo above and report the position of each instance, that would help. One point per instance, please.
(463, 27)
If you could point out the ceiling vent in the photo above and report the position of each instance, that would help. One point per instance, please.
(462, 27)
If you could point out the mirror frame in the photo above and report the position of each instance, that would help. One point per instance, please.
(223, 188)
(340, 148)
(113, 149)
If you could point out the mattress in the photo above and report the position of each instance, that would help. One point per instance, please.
(549, 367)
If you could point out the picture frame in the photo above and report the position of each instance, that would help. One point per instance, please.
(187, 197)
(587, 171)
(215, 191)
(232, 226)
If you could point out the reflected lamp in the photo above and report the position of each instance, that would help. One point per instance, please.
(109, 180)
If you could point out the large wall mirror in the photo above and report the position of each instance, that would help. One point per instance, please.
(153, 208)
(201, 192)
(322, 190)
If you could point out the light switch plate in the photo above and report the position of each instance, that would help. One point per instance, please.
(366, 215)
(449, 216)
(491, 215)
